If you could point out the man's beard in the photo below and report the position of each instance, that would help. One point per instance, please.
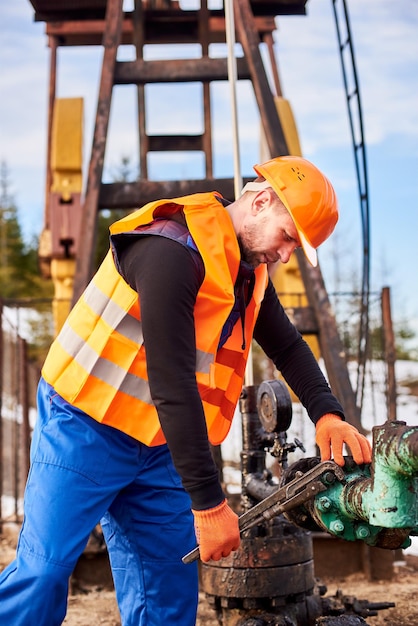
(248, 255)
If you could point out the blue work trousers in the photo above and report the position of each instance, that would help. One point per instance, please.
(83, 472)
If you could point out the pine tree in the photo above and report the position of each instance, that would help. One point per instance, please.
(19, 272)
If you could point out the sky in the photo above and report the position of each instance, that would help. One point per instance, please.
(384, 35)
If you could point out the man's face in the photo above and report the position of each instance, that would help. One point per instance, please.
(268, 233)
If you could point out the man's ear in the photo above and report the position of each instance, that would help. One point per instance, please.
(260, 201)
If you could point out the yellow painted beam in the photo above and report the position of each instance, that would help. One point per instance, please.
(287, 278)
(67, 147)
(66, 169)
(62, 274)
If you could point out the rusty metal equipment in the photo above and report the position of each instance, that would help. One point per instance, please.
(270, 580)
(377, 504)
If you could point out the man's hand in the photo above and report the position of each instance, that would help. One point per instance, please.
(331, 434)
(217, 532)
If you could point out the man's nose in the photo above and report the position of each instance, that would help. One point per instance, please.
(285, 253)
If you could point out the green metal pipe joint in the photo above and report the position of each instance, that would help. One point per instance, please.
(376, 503)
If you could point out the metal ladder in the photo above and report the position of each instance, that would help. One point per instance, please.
(352, 92)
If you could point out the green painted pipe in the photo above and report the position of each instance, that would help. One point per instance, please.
(377, 504)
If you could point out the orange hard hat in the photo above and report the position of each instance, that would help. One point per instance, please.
(308, 196)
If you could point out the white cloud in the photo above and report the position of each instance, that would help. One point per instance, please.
(386, 52)
(386, 46)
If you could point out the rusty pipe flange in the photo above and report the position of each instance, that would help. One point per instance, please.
(295, 612)
(265, 571)
(281, 545)
(340, 620)
(266, 620)
(258, 588)
(392, 538)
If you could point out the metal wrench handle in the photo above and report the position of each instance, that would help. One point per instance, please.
(291, 495)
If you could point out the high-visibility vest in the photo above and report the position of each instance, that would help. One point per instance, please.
(98, 361)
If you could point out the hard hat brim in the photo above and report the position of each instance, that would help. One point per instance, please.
(308, 249)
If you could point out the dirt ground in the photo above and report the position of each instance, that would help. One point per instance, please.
(95, 604)
(99, 606)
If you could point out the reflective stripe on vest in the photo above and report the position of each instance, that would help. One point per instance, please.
(124, 324)
(98, 361)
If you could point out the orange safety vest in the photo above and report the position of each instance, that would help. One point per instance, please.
(98, 361)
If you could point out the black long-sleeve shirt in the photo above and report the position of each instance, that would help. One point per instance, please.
(167, 277)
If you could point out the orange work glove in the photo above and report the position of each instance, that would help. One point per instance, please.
(331, 434)
(217, 531)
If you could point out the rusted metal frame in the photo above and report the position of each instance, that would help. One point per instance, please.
(217, 25)
(176, 70)
(268, 40)
(24, 403)
(90, 32)
(88, 232)
(84, 12)
(175, 143)
(207, 122)
(332, 349)
(53, 10)
(329, 340)
(250, 42)
(15, 423)
(125, 195)
(138, 24)
(53, 45)
(207, 135)
(390, 353)
(278, 7)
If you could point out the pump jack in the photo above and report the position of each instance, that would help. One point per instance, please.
(84, 23)
(69, 244)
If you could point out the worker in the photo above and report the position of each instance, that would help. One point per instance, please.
(145, 374)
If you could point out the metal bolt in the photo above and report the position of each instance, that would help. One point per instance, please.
(362, 532)
(336, 527)
(324, 504)
(328, 478)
